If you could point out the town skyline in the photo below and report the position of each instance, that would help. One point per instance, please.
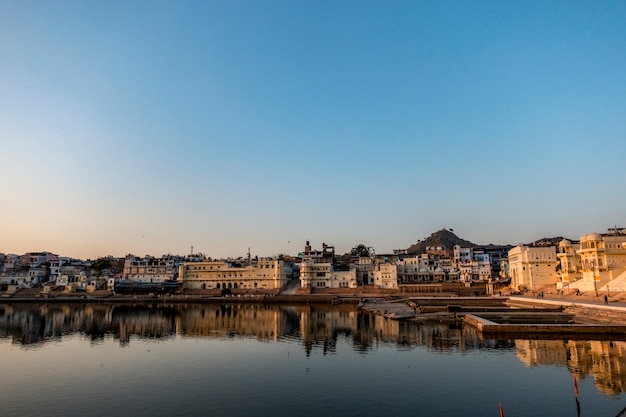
(224, 125)
(293, 248)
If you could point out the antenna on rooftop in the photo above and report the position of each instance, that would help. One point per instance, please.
(191, 249)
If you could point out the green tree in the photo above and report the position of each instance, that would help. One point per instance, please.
(360, 250)
(100, 264)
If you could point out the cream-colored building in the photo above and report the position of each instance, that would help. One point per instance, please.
(570, 268)
(533, 267)
(322, 275)
(265, 274)
(386, 275)
(602, 259)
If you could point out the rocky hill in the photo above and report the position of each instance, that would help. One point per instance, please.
(444, 237)
(548, 241)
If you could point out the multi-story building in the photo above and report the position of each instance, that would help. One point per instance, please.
(264, 274)
(496, 253)
(473, 264)
(533, 267)
(38, 258)
(11, 263)
(386, 275)
(426, 268)
(412, 269)
(55, 266)
(602, 259)
(364, 266)
(151, 269)
(317, 271)
(322, 275)
(326, 255)
(570, 268)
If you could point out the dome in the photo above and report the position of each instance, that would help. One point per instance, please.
(591, 236)
(563, 243)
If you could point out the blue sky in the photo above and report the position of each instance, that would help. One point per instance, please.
(148, 127)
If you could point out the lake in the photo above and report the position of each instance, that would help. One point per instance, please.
(302, 360)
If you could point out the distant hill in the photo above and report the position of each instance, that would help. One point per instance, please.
(443, 237)
(548, 241)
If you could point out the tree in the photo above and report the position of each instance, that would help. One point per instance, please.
(100, 264)
(360, 250)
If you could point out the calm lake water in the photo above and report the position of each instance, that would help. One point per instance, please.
(256, 360)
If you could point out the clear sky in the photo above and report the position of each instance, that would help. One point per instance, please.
(148, 127)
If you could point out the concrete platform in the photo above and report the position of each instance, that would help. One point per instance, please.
(487, 326)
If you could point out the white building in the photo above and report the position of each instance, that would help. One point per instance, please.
(386, 275)
(473, 264)
(150, 269)
(426, 268)
(322, 275)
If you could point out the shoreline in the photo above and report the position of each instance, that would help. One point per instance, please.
(274, 299)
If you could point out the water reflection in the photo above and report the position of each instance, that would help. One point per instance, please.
(314, 327)
(602, 359)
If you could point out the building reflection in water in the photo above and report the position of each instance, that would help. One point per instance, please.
(315, 327)
(604, 360)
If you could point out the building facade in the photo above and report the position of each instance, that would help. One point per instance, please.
(386, 275)
(533, 268)
(150, 269)
(570, 268)
(602, 259)
(322, 275)
(265, 274)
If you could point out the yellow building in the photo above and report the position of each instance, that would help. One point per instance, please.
(570, 267)
(265, 274)
(533, 267)
(602, 259)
